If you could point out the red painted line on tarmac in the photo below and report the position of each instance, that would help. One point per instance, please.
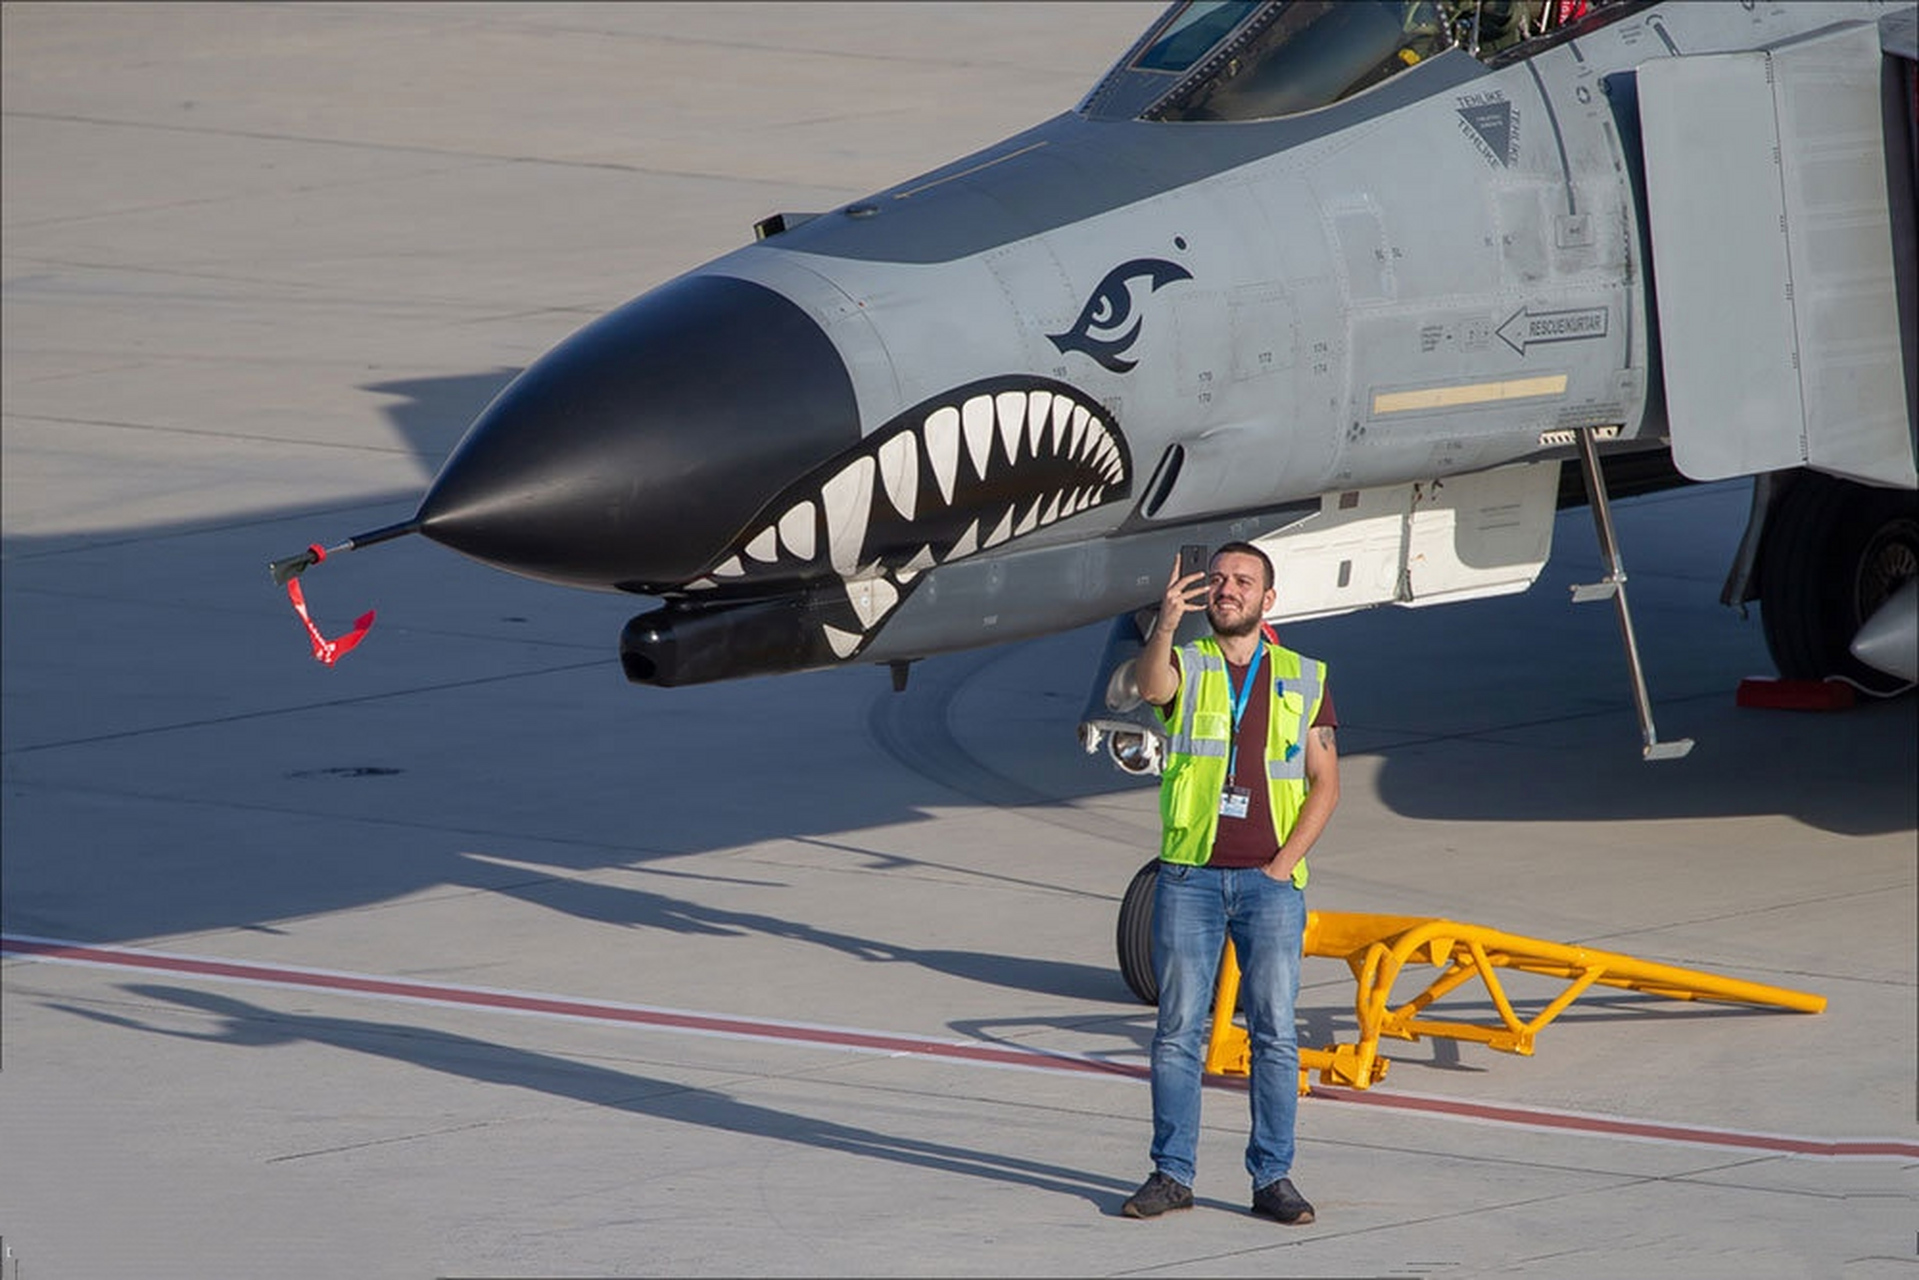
(1625, 1127)
(960, 1051)
(552, 1006)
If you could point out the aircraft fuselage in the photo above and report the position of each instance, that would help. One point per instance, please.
(991, 401)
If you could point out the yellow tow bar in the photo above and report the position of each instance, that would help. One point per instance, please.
(1377, 947)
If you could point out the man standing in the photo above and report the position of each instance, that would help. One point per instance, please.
(1251, 777)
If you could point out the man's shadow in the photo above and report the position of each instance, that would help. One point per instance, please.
(245, 1025)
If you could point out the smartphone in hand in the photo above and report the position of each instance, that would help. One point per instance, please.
(1192, 559)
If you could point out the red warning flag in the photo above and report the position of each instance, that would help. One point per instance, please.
(325, 650)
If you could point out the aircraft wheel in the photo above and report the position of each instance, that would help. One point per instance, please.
(1834, 552)
(1136, 934)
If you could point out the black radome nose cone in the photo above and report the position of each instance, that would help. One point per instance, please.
(633, 453)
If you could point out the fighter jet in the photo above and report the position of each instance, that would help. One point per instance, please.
(1378, 284)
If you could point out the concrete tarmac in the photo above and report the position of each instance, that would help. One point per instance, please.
(465, 958)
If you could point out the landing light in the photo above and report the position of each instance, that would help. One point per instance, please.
(1135, 752)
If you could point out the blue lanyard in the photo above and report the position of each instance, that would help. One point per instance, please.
(1239, 706)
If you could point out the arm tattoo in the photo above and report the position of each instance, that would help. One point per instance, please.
(1325, 735)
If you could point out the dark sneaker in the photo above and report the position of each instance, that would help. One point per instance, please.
(1157, 1195)
(1279, 1201)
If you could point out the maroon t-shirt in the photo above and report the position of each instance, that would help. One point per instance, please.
(1248, 841)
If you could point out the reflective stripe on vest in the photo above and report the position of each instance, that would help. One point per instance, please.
(1308, 685)
(1200, 744)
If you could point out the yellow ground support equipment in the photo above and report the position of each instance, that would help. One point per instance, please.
(1377, 947)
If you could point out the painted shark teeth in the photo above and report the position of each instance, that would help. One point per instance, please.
(848, 501)
(941, 437)
(796, 531)
(977, 417)
(973, 469)
(872, 599)
(900, 471)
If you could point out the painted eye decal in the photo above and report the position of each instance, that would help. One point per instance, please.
(1101, 331)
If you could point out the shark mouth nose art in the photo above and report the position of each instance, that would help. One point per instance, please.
(959, 474)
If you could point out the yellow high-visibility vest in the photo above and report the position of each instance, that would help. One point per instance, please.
(1201, 743)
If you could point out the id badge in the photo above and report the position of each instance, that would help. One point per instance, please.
(1234, 802)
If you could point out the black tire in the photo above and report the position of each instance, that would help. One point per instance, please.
(1834, 551)
(1136, 934)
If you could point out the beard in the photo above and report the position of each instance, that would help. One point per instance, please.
(1245, 626)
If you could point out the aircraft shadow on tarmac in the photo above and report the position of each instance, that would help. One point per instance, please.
(245, 1025)
(1512, 650)
(1509, 709)
(1538, 675)
(1524, 712)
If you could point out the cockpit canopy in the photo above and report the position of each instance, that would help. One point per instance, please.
(1211, 60)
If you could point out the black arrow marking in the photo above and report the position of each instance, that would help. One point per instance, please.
(1524, 328)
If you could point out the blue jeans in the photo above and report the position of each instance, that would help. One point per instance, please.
(1194, 911)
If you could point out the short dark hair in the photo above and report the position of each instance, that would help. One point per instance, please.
(1247, 549)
